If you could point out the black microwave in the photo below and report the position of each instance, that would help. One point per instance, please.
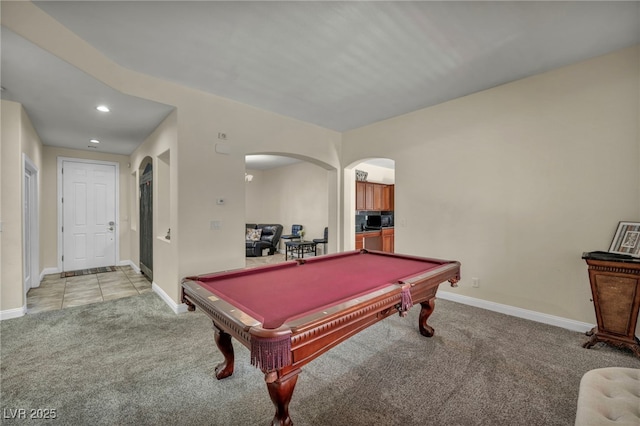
(374, 221)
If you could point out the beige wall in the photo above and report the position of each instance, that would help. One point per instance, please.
(33, 149)
(161, 148)
(11, 214)
(18, 137)
(517, 181)
(255, 193)
(207, 169)
(206, 174)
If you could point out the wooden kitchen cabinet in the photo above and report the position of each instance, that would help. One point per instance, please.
(388, 195)
(374, 196)
(376, 240)
(371, 240)
(388, 235)
(361, 195)
(378, 201)
(369, 196)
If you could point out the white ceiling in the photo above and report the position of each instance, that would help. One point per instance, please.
(61, 101)
(340, 65)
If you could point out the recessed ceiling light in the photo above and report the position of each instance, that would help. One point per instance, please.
(103, 108)
(94, 141)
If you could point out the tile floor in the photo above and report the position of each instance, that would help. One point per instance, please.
(59, 293)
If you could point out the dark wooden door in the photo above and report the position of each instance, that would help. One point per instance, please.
(146, 222)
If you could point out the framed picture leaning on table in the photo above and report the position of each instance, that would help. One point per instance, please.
(626, 239)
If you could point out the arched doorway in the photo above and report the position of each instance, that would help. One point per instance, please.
(292, 190)
(146, 222)
(373, 204)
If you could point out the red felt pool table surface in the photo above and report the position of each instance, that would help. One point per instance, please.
(279, 293)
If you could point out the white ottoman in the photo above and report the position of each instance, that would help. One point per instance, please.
(609, 396)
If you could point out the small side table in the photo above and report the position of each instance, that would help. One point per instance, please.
(615, 287)
(299, 248)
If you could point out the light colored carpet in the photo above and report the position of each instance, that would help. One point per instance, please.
(133, 361)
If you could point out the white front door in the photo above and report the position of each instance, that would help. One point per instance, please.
(89, 215)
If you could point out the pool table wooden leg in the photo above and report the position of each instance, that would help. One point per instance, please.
(425, 312)
(223, 341)
(190, 306)
(280, 390)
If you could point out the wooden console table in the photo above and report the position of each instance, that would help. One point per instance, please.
(615, 287)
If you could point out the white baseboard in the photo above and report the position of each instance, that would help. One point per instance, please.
(129, 263)
(48, 271)
(178, 308)
(569, 324)
(13, 313)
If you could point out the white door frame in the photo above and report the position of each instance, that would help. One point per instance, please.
(31, 236)
(60, 207)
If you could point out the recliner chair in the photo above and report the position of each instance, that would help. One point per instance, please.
(269, 239)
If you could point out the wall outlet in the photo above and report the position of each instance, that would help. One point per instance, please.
(475, 282)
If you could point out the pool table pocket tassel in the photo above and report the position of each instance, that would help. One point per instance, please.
(271, 353)
(407, 301)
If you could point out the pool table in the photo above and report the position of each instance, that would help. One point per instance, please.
(288, 314)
